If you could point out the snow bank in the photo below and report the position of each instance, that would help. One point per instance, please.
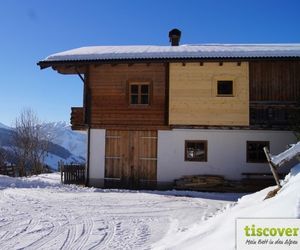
(53, 181)
(221, 228)
(48, 181)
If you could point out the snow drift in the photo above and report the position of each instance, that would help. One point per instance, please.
(208, 234)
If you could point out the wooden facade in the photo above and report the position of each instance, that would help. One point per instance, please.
(274, 81)
(109, 95)
(266, 93)
(77, 118)
(194, 99)
(274, 93)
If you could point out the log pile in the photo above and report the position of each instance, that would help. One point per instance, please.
(198, 182)
(215, 183)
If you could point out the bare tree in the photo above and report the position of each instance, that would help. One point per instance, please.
(30, 143)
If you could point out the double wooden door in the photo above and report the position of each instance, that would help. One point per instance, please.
(131, 156)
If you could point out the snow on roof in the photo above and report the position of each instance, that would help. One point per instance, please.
(177, 52)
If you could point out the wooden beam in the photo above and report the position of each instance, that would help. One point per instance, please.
(87, 176)
(81, 77)
(97, 65)
(272, 166)
(167, 91)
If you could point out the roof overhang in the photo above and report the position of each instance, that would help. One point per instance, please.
(74, 60)
(80, 66)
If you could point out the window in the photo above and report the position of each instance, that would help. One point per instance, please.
(196, 150)
(255, 152)
(225, 88)
(139, 93)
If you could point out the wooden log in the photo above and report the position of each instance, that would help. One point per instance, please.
(272, 166)
(200, 181)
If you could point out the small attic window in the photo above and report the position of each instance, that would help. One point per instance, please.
(225, 88)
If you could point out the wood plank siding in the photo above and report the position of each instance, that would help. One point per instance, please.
(131, 156)
(194, 99)
(77, 118)
(274, 93)
(109, 95)
(275, 81)
(269, 89)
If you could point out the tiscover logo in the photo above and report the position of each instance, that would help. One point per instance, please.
(273, 231)
(267, 234)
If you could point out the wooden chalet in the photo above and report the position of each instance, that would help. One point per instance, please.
(157, 113)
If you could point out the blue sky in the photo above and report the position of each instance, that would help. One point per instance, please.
(34, 29)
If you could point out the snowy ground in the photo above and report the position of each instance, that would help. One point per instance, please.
(39, 213)
(207, 235)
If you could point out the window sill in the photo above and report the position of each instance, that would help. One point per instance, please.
(195, 161)
(225, 96)
(258, 162)
(139, 106)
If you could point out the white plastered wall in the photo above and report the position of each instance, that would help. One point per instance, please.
(226, 152)
(97, 153)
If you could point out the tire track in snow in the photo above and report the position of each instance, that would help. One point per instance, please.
(66, 219)
(19, 223)
(86, 230)
(105, 231)
(55, 230)
(17, 226)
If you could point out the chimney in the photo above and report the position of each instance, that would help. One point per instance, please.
(174, 36)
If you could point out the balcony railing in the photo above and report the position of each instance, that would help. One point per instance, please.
(77, 118)
(271, 115)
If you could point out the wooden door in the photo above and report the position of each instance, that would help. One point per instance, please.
(116, 153)
(131, 156)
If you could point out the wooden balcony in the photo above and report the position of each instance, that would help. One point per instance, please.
(273, 115)
(77, 118)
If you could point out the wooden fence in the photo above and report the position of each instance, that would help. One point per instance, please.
(72, 174)
(9, 170)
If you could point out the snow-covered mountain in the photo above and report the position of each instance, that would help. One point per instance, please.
(66, 145)
(62, 134)
(4, 126)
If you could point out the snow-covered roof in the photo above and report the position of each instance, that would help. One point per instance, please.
(204, 51)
